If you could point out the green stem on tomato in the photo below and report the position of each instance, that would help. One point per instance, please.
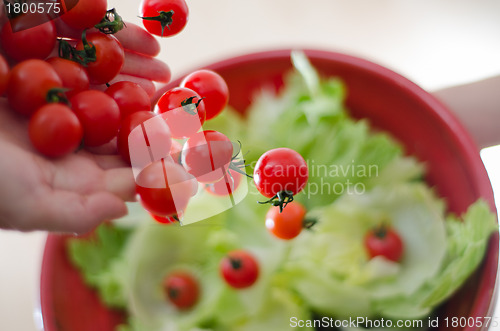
(164, 17)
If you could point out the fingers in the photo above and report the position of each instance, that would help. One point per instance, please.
(65, 211)
(136, 39)
(145, 66)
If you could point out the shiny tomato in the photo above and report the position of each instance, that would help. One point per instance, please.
(164, 18)
(183, 110)
(164, 188)
(99, 115)
(207, 155)
(384, 241)
(73, 75)
(181, 289)
(280, 174)
(211, 87)
(287, 224)
(29, 84)
(130, 97)
(36, 42)
(109, 55)
(85, 14)
(127, 125)
(4, 74)
(54, 130)
(239, 269)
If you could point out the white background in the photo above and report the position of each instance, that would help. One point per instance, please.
(434, 43)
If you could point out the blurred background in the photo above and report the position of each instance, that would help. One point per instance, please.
(436, 44)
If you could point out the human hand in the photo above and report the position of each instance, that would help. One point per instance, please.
(77, 192)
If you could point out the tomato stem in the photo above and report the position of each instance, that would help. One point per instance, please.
(173, 292)
(308, 223)
(164, 17)
(281, 199)
(380, 231)
(111, 22)
(188, 105)
(235, 263)
(57, 95)
(83, 57)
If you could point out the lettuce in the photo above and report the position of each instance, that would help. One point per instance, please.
(97, 259)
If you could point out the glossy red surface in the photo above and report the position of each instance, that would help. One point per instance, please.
(392, 103)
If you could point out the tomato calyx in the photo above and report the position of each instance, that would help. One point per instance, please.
(83, 57)
(281, 199)
(111, 22)
(58, 95)
(380, 231)
(164, 17)
(235, 262)
(189, 106)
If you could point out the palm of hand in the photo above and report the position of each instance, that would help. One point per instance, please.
(72, 194)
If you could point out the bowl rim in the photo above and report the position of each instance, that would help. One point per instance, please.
(484, 302)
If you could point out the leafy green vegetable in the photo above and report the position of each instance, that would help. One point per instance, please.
(97, 258)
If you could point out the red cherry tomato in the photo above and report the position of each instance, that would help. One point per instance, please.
(36, 42)
(181, 289)
(183, 111)
(384, 241)
(85, 14)
(280, 174)
(287, 224)
(164, 188)
(224, 187)
(4, 74)
(127, 125)
(130, 97)
(54, 130)
(109, 57)
(207, 155)
(29, 83)
(164, 18)
(239, 269)
(73, 75)
(99, 115)
(211, 87)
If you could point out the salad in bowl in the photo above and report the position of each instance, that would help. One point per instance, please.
(394, 229)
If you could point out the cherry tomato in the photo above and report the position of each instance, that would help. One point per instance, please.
(73, 75)
(287, 224)
(164, 220)
(85, 14)
(29, 83)
(99, 115)
(384, 241)
(127, 125)
(239, 269)
(164, 18)
(183, 111)
(164, 188)
(4, 74)
(181, 289)
(225, 185)
(110, 57)
(36, 42)
(130, 97)
(207, 155)
(211, 87)
(280, 174)
(54, 130)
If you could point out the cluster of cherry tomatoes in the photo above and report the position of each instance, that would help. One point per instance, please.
(238, 268)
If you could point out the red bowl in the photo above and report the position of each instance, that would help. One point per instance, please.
(392, 103)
